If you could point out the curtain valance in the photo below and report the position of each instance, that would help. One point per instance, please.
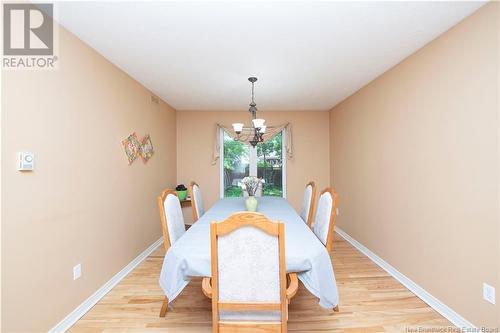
(247, 135)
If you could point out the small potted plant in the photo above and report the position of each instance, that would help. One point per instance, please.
(181, 191)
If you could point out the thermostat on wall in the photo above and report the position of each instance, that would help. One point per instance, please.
(26, 161)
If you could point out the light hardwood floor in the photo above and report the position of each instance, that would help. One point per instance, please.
(370, 301)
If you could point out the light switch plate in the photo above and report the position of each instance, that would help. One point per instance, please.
(489, 293)
(77, 271)
(337, 211)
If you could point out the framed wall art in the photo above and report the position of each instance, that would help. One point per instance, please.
(132, 146)
(146, 149)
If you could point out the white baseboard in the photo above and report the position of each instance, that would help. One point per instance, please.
(77, 313)
(455, 318)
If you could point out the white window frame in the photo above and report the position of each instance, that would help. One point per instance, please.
(253, 157)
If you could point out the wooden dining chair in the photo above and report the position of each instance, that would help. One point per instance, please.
(172, 225)
(248, 286)
(171, 218)
(324, 221)
(308, 203)
(196, 202)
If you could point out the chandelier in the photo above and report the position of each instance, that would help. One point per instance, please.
(258, 128)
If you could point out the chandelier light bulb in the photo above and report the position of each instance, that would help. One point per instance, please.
(258, 123)
(238, 127)
(263, 129)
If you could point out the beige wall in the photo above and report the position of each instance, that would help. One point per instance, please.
(415, 160)
(83, 203)
(195, 140)
(413, 156)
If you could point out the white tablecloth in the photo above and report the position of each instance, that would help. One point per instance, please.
(304, 253)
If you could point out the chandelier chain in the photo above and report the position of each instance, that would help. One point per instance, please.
(253, 101)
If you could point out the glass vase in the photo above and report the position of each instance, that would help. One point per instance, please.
(251, 203)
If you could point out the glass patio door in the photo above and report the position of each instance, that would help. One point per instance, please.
(269, 165)
(235, 166)
(265, 161)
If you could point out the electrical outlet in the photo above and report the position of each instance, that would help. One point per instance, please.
(337, 211)
(77, 271)
(489, 293)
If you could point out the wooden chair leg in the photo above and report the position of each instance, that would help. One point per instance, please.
(164, 307)
(336, 309)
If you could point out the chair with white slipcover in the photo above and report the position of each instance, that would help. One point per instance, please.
(172, 225)
(324, 221)
(308, 203)
(248, 286)
(196, 201)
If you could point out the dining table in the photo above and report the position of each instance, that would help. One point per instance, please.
(305, 255)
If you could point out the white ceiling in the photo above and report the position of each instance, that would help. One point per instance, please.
(307, 55)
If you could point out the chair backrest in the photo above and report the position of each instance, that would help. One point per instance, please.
(308, 203)
(248, 273)
(171, 219)
(324, 221)
(196, 202)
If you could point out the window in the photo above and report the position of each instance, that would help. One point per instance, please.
(265, 161)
